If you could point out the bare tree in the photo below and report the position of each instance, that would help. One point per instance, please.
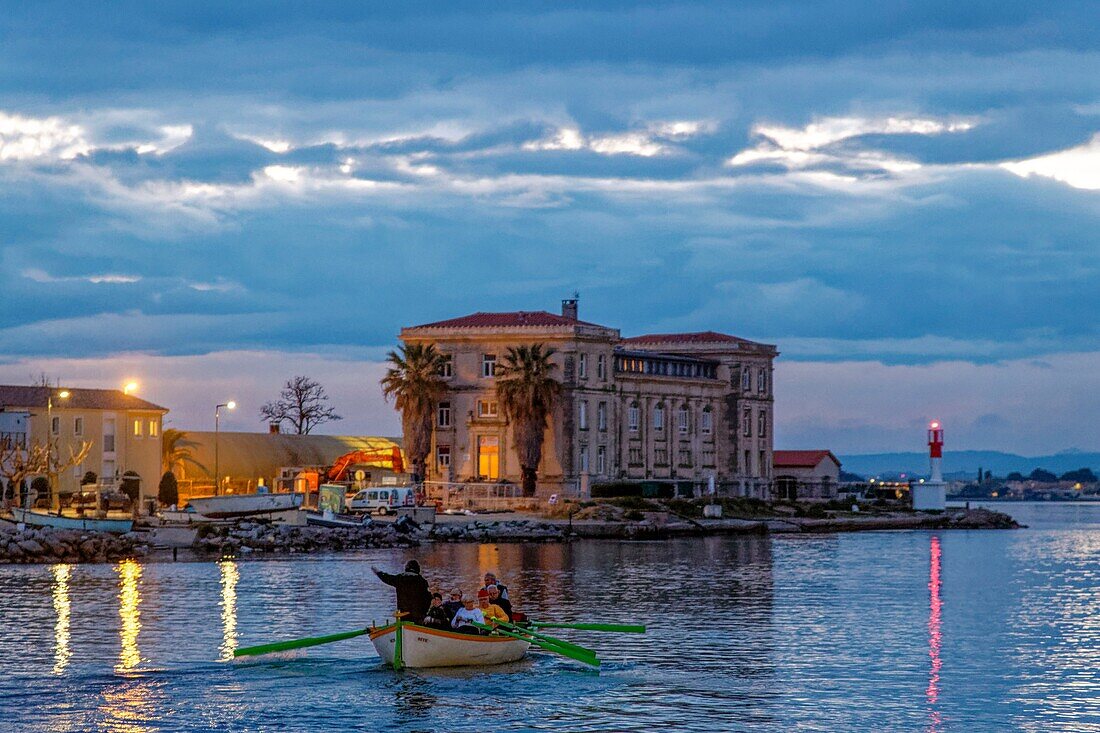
(302, 403)
(17, 463)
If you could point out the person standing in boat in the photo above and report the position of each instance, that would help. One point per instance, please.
(491, 579)
(465, 616)
(413, 596)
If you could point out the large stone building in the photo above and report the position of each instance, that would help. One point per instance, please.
(124, 430)
(685, 408)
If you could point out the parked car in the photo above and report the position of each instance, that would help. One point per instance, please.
(382, 501)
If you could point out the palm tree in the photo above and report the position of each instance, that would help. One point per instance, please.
(175, 452)
(527, 391)
(414, 381)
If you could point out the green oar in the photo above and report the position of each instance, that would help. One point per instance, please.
(546, 637)
(282, 646)
(620, 628)
(589, 659)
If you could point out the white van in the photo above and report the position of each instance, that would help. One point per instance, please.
(382, 501)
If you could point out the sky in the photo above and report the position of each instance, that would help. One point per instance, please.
(904, 197)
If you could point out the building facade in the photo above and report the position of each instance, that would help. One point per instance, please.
(693, 409)
(806, 474)
(124, 431)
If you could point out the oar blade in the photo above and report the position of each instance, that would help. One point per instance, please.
(577, 654)
(284, 646)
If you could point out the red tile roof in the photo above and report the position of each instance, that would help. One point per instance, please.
(801, 458)
(699, 337)
(507, 320)
(79, 398)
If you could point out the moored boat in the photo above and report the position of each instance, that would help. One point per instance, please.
(244, 505)
(42, 519)
(422, 647)
(332, 520)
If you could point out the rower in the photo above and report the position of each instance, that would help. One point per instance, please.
(496, 598)
(491, 611)
(491, 579)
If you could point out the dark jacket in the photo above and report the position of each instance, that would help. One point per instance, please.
(437, 617)
(451, 607)
(413, 596)
(504, 603)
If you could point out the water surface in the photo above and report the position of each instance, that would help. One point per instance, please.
(929, 631)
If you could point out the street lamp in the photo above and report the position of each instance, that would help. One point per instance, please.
(50, 479)
(130, 388)
(231, 405)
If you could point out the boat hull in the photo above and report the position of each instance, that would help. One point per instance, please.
(422, 647)
(244, 505)
(39, 519)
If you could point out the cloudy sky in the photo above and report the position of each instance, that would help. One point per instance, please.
(904, 197)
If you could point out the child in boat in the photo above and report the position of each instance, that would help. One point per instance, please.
(491, 611)
(437, 615)
(467, 614)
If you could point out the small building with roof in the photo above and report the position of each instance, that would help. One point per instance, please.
(124, 431)
(806, 474)
(692, 410)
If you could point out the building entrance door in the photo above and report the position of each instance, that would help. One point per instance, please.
(488, 457)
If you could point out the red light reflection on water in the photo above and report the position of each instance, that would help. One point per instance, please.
(935, 610)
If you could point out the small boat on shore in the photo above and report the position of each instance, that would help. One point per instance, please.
(422, 647)
(244, 505)
(42, 519)
(331, 520)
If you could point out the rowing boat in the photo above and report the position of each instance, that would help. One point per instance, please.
(56, 521)
(417, 646)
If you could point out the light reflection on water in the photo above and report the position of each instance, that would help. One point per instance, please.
(866, 632)
(62, 607)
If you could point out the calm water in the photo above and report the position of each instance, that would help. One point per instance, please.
(952, 631)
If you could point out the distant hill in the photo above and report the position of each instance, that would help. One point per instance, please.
(967, 461)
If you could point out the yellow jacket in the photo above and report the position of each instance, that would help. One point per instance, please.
(494, 611)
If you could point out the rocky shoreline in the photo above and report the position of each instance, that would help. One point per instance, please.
(40, 545)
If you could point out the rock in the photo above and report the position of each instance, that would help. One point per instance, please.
(32, 547)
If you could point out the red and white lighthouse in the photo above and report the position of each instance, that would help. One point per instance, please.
(931, 495)
(935, 450)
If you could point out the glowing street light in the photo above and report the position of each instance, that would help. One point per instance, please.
(63, 394)
(230, 405)
(130, 388)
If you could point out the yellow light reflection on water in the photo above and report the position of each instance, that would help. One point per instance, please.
(62, 608)
(129, 611)
(230, 576)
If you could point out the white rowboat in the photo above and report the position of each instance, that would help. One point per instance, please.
(425, 647)
(41, 519)
(244, 505)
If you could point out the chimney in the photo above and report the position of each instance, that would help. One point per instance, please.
(569, 307)
(273, 428)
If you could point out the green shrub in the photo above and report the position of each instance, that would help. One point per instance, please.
(89, 478)
(616, 488)
(633, 516)
(684, 507)
(168, 492)
(634, 503)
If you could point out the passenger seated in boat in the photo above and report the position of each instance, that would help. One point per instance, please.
(437, 615)
(491, 611)
(413, 596)
(468, 613)
(496, 598)
(491, 579)
(451, 606)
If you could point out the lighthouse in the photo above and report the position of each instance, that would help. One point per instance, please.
(931, 495)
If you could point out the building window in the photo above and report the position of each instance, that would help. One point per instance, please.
(601, 460)
(488, 365)
(746, 422)
(582, 366)
(659, 417)
(660, 456)
(444, 414)
(139, 428)
(108, 473)
(682, 420)
(443, 456)
(55, 426)
(582, 415)
(708, 458)
(747, 468)
(762, 381)
(601, 367)
(746, 379)
(707, 422)
(584, 457)
(763, 464)
(635, 456)
(487, 408)
(601, 416)
(632, 415)
(78, 426)
(685, 457)
(152, 428)
(762, 424)
(447, 368)
(109, 435)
